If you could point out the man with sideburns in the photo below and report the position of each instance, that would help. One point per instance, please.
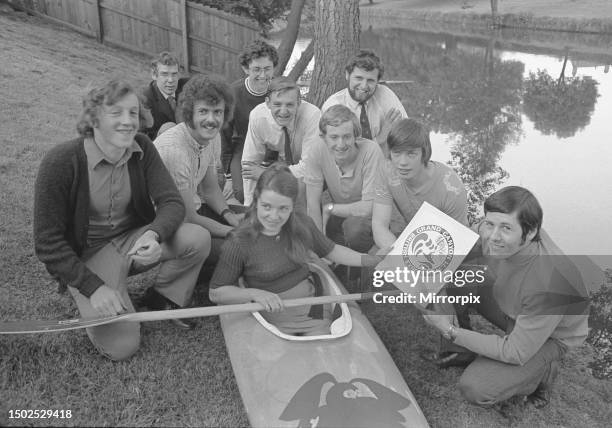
(376, 106)
(190, 151)
(532, 292)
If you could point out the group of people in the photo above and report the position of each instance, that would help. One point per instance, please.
(140, 187)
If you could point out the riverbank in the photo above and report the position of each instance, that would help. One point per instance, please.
(587, 16)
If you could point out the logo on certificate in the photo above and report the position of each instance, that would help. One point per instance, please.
(428, 247)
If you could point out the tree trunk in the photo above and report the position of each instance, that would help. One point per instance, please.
(336, 40)
(494, 9)
(290, 36)
(302, 63)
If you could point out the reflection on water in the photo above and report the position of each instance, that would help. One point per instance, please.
(504, 117)
(515, 108)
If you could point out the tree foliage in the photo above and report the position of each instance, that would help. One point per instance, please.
(560, 107)
(262, 11)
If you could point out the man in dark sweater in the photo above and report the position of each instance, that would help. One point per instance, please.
(258, 61)
(105, 206)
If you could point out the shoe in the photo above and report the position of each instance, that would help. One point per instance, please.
(155, 301)
(539, 398)
(449, 359)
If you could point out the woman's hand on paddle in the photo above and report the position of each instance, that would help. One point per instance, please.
(270, 301)
(107, 301)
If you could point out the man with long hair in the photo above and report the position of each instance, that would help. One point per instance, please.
(532, 292)
(190, 151)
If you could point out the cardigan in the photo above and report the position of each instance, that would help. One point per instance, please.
(61, 207)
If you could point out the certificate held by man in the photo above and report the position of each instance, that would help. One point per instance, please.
(426, 255)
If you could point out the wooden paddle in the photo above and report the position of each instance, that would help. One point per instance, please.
(19, 327)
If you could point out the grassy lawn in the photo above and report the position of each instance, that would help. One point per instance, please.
(177, 378)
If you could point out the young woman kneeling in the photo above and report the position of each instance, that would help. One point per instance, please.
(270, 250)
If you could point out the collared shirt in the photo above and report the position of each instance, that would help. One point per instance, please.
(357, 184)
(263, 132)
(187, 160)
(377, 106)
(110, 195)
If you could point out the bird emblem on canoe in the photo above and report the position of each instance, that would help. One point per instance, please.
(324, 402)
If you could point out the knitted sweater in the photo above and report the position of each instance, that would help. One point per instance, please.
(264, 262)
(61, 207)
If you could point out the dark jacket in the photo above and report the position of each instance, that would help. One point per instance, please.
(160, 107)
(61, 207)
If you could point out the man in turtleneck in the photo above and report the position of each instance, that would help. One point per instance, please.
(533, 292)
(258, 60)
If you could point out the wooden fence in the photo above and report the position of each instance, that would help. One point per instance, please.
(204, 39)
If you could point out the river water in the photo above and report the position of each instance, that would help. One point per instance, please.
(531, 111)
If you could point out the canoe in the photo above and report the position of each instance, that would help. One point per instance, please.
(347, 379)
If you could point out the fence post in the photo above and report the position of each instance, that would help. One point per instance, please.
(185, 34)
(100, 30)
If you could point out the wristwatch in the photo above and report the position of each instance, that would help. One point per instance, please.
(329, 208)
(225, 211)
(451, 333)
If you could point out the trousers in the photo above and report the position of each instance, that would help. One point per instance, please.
(180, 263)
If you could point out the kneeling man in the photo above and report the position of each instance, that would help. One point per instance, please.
(533, 292)
(348, 166)
(104, 207)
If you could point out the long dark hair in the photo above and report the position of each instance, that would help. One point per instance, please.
(278, 178)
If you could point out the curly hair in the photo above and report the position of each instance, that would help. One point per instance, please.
(258, 49)
(278, 178)
(366, 60)
(210, 89)
(108, 94)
